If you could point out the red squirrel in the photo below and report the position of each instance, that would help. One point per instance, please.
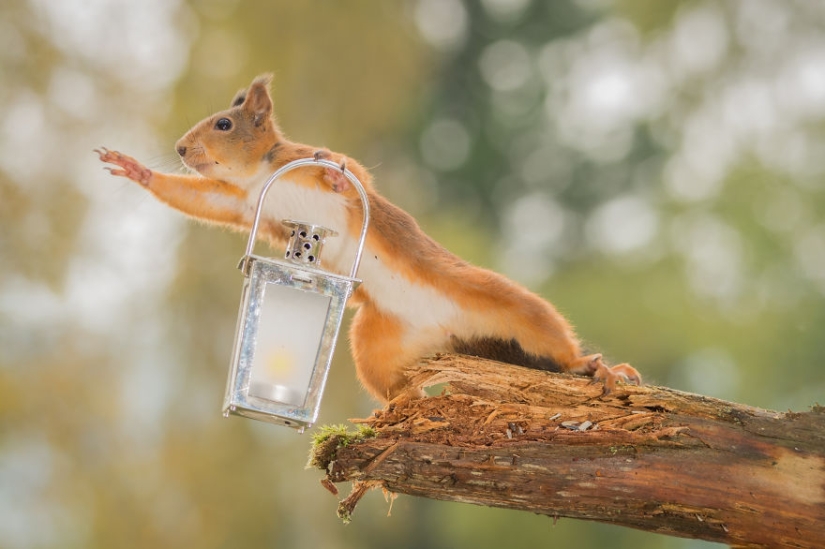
(416, 298)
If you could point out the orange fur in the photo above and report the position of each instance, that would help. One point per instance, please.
(416, 298)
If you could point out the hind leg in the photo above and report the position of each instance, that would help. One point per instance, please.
(376, 339)
(593, 365)
(554, 338)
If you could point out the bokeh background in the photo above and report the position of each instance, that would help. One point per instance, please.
(654, 168)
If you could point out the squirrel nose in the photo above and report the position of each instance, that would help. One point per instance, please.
(182, 150)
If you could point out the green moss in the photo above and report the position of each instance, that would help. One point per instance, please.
(328, 439)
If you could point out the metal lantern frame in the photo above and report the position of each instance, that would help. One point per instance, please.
(262, 273)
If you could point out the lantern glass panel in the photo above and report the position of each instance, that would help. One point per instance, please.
(291, 325)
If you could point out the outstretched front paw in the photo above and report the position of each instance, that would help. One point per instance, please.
(127, 166)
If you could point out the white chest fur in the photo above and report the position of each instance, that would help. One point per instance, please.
(421, 307)
(289, 200)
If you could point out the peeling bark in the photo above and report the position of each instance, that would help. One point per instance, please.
(645, 457)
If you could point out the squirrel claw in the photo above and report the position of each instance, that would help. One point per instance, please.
(127, 166)
(335, 178)
(324, 154)
(609, 375)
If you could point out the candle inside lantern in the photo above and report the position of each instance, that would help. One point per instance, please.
(287, 345)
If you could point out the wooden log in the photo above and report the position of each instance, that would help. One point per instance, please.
(646, 457)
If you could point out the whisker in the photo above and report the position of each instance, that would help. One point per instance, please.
(166, 161)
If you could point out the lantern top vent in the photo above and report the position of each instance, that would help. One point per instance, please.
(306, 241)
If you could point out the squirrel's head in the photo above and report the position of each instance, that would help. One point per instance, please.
(233, 145)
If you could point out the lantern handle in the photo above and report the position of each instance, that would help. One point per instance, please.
(312, 161)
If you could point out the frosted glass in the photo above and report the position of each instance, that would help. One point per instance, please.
(290, 328)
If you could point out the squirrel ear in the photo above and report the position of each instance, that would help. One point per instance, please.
(239, 98)
(257, 100)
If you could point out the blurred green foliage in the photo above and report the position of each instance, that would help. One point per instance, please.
(653, 168)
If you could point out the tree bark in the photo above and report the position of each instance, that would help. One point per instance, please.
(646, 457)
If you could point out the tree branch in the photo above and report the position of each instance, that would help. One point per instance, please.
(646, 457)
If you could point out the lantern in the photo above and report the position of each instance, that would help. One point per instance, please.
(289, 319)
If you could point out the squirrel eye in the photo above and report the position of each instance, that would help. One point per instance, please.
(224, 125)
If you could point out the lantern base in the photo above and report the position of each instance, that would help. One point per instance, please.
(252, 413)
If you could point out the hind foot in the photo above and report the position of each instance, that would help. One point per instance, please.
(594, 366)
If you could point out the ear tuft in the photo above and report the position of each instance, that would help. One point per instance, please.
(257, 101)
(264, 79)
